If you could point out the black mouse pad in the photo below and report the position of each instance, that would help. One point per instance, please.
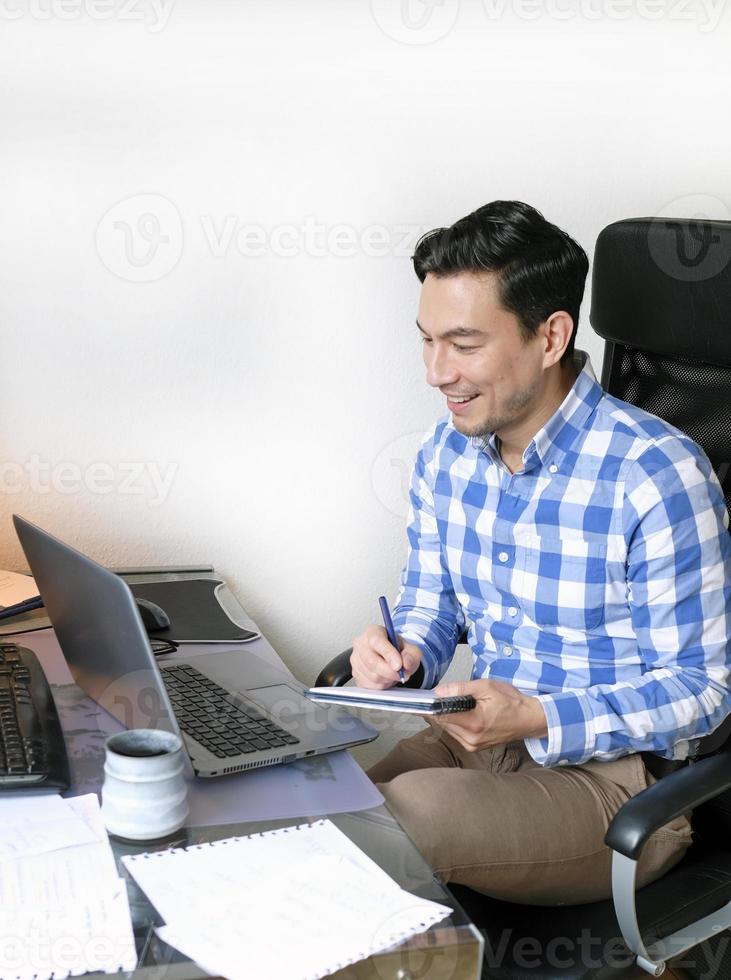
(195, 614)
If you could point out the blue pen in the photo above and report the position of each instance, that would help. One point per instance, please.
(391, 633)
(27, 605)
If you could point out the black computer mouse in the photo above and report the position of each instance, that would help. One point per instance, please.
(153, 617)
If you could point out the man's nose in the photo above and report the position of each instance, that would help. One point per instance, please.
(440, 369)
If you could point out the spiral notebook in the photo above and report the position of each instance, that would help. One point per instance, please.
(411, 700)
(290, 904)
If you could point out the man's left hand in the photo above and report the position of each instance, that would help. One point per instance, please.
(502, 714)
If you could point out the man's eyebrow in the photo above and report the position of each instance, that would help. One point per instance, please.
(456, 332)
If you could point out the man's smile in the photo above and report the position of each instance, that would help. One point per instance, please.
(460, 403)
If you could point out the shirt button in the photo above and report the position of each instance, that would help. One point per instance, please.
(553, 468)
(512, 611)
(508, 651)
(503, 556)
(563, 762)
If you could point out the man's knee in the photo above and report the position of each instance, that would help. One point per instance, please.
(426, 813)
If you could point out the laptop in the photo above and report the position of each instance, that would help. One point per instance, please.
(233, 710)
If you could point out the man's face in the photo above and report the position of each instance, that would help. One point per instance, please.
(473, 347)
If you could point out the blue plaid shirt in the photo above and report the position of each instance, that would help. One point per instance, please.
(598, 577)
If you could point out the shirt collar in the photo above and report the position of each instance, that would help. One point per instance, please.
(560, 431)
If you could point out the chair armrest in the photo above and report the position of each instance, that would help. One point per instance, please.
(675, 794)
(659, 804)
(337, 672)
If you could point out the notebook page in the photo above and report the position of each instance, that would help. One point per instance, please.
(394, 694)
(310, 884)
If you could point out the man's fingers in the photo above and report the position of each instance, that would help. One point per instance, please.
(377, 661)
(375, 640)
(372, 683)
(452, 689)
(388, 654)
(376, 668)
(365, 677)
(465, 738)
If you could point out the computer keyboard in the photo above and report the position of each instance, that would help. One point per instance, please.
(204, 711)
(32, 748)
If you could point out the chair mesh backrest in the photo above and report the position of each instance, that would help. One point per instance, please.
(692, 396)
(661, 300)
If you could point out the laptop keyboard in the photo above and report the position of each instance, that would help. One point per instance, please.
(205, 712)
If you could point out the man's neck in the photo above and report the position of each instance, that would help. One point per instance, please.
(511, 446)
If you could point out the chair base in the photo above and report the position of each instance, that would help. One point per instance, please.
(578, 942)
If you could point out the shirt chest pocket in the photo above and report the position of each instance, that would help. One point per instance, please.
(561, 582)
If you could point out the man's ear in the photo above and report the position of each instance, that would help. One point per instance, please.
(558, 329)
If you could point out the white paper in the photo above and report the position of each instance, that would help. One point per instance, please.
(92, 934)
(15, 588)
(412, 701)
(36, 824)
(65, 909)
(309, 883)
(395, 695)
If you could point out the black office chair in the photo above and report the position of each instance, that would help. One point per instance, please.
(661, 300)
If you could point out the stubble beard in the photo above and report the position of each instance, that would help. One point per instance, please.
(494, 423)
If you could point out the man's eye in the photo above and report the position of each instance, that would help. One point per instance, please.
(463, 350)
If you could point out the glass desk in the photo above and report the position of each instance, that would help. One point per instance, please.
(449, 950)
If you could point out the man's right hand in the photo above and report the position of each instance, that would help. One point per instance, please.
(375, 662)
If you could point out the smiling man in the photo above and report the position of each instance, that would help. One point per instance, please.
(585, 544)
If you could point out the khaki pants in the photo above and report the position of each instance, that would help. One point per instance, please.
(498, 822)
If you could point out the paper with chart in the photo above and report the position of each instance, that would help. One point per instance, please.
(64, 906)
(308, 884)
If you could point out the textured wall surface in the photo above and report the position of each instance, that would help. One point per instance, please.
(207, 310)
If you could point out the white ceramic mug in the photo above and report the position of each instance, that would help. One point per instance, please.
(144, 795)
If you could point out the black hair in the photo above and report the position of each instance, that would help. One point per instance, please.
(540, 269)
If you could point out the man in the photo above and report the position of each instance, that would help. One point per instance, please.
(585, 543)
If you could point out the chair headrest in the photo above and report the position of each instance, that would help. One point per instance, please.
(664, 285)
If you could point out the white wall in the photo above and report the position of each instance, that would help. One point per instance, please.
(283, 395)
